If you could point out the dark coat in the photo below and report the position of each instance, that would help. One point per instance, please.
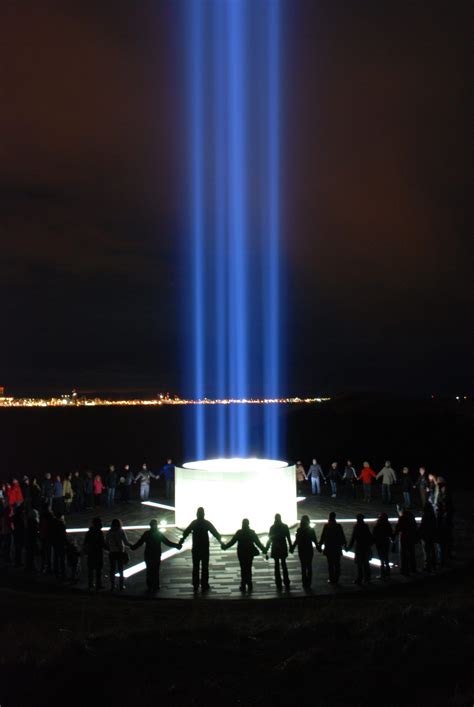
(333, 538)
(279, 540)
(94, 546)
(361, 540)
(305, 537)
(247, 543)
(152, 540)
(407, 528)
(382, 533)
(200, 528)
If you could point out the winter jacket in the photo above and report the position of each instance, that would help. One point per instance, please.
(333, 538)
(279, 540)
(407, 528)
(247, 543)
(58, 489)
(94, 545)
(349, 475)
(305, 537)
(382, 533)
(152, 540)
(116, 540)
(111, 480)
(67, 488)
(315, 471)
(367, 474)
(387, 475)
(14, 494)
(47, 489)
(98, 486)
(361, 539)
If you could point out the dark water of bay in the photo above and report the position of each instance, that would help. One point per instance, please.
(436, 434)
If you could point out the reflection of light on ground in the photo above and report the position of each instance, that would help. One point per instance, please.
(155, 504)
(354, 520)
(135, 569)
(140, 567)
(374, 561)
(124, 527)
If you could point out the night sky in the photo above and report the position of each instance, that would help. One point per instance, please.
(378, 245)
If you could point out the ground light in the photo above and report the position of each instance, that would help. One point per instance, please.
(232, 489)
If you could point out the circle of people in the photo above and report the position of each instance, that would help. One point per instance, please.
(47, 547)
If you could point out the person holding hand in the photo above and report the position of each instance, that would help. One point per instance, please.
(248, 546)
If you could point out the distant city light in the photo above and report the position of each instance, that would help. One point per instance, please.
(75, 400)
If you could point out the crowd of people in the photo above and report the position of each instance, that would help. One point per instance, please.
(33, 530)
(78, 491)
(345, 482)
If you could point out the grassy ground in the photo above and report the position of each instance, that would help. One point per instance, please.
(410, 645)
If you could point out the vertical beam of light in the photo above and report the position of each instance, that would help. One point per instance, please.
(220, 225)
(272, 220)
(196, 71)
(238, 311)
(233, 82)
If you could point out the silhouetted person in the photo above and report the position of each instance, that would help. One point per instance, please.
(316, 476)
(200, 529)
(94, 546)
(248, 545)
(58, 542)
(168, 473)
(152, 540)
(304, 540)
(367, 475)
(388, 476)
(73, 558)
(47, 490)
(333, 476)
(362, 541)
(116, 541)
(445, 517)
(349, 477)
(407, 486)
(19, 533)
(128, 476)
(77, 483)
(407, 529)
(422, 484)
(333, 540)
(45, 533)
(279, 541)
(428, 533)
(383, 536)
(301, 477)
(88, 490)
(111, 483)
(32, 540)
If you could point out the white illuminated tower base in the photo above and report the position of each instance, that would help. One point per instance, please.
(232, 489)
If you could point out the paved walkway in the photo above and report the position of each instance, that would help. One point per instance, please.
(224, 567)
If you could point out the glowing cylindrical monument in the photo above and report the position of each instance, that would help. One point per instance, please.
(232, 489)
